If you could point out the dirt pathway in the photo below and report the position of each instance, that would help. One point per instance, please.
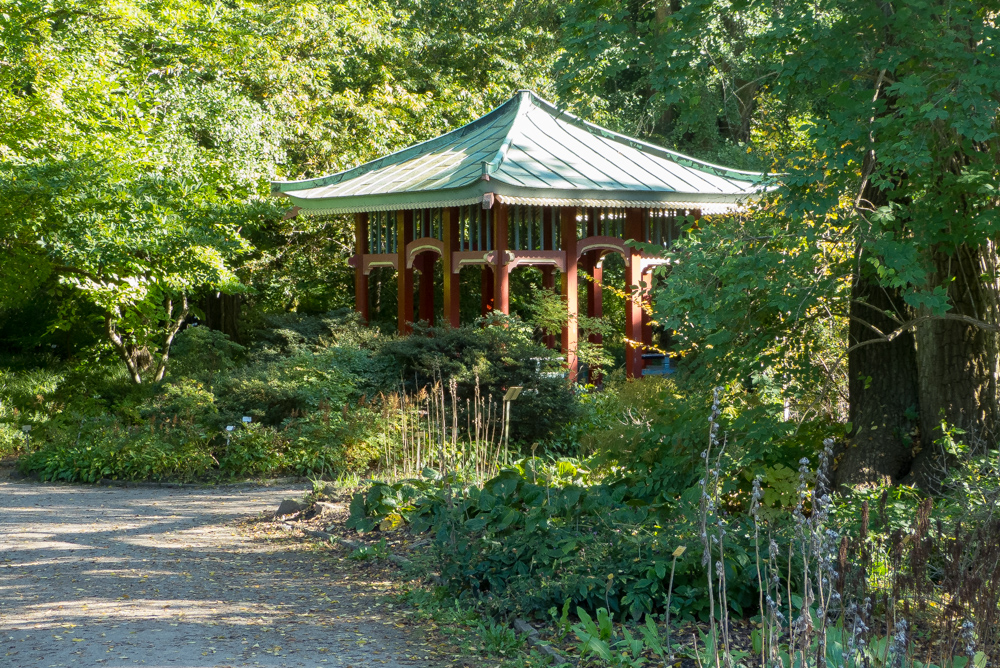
(172, 577)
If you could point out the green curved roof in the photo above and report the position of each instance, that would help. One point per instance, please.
(527, 150)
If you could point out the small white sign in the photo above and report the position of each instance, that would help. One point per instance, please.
(230, 428)
(26, 428)
(247, 418)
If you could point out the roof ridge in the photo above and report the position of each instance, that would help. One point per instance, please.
(523, 100)
(660, 151)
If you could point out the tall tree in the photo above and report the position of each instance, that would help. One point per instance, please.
(893, 113)
(906, 101)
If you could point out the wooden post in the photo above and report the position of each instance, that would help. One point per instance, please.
(452, 292)
(404, 276)
(501, 276)
(633, 308)
(425, 265)
(571, 332)
(487, 291)
(360, 279)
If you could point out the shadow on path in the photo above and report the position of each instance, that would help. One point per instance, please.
(96, 576)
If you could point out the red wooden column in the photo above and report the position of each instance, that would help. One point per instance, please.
(501, 276)
(571, 332)
(487, 291)
(404, 275)
(451, 272)
(360, 278)
(595, 294)
(633, 308)
(425, 265)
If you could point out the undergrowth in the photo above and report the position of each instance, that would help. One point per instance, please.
(900, 579)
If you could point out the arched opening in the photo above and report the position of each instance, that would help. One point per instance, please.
(382, 298)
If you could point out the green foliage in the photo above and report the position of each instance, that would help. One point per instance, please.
(550, 315)
(107, 451)
(187, 400)
(732, 285)
(500, 639)
(495, 353)
(140, 138)
(250, 451)
(22, 402)
(379, 550)
(539, 534)
(620, 648)
(680, 73)
(199, 350)
(297, 395)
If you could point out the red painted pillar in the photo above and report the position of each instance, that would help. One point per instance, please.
(549, 278)
(452, 292)
(360, 278)
(571, 332)
(425, 265)
(633, 308)
(404, 275)
(487, 291)
(501, 276)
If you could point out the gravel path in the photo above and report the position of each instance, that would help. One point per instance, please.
(98, 576)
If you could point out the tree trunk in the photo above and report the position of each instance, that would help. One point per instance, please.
(136, 359)
(882, 386)
(174, 325)
(222, 313)
(958, 362)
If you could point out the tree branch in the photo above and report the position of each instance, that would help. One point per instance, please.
(119, 344)
(175, 326)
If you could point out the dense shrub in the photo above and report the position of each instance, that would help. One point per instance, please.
(90, 451)
(198, 351)
(537, 535)
(496, 352)
(108, 451)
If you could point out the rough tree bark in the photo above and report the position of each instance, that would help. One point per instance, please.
(957, 361)
(222, 313)
(882, 387)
